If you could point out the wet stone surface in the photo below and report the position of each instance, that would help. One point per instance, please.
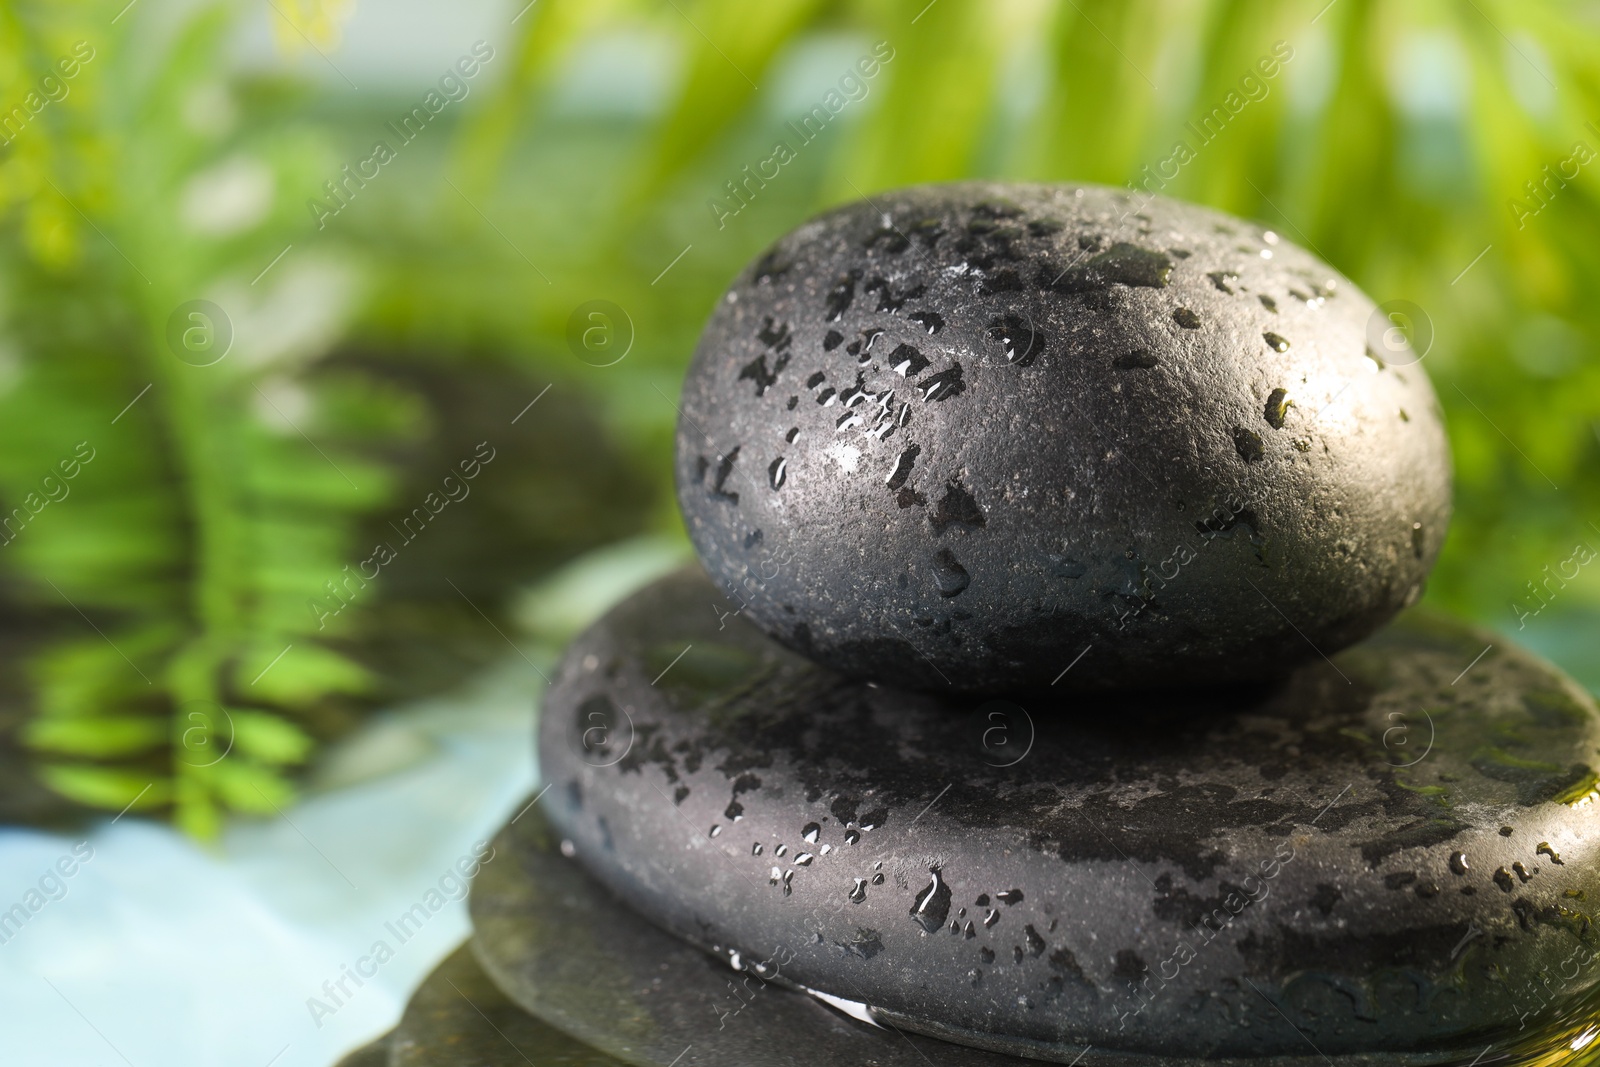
(460, 1018)
(951, 438)
(1394, 850)
(565, 949)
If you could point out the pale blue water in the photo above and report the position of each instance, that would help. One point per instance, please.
(162, 953)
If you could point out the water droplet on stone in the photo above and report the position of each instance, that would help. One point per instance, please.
(1019, 340)
(1277, 409)
(943, 385)
(841, 296)
(931, 907)
(951, 577)
(1122, 262)
(902, 467)
(957, 506)
(1249, 444)
(907, 360)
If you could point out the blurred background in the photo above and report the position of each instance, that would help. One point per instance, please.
(339, 343)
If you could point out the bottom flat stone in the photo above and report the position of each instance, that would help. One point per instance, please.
(460, 1018)
(563, 948)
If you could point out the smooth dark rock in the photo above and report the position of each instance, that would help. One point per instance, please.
(565, 949)
(460, 1018)
(956, 435)
(1325, 860)
(546, 923)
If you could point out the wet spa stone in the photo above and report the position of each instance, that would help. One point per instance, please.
(1394, 850)
(563, 948)
(459, 1018)
(955, 436)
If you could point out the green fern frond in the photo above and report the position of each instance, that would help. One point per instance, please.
(177, 561)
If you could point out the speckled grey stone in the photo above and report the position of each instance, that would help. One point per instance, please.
(1392, 852)
(954, 436)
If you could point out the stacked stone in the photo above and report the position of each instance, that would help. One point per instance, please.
(1039, 700)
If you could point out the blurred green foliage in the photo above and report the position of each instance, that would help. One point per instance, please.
(1407, 143)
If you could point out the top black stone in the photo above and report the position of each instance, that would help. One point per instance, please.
(954, 436)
